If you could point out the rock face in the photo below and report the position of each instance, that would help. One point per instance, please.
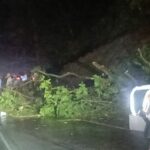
(109, 55)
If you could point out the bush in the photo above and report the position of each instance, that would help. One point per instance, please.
(14, 102)
(61, 102)
(80, 102)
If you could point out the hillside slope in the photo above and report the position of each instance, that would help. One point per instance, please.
(110, 55)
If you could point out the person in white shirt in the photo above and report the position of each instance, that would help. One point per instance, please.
(24, 77)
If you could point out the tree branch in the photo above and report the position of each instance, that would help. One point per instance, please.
(63, 75)
(19, 93)
(142, 58)
(130, 76)
(102, 68)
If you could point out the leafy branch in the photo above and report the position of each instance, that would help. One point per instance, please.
(146, 62)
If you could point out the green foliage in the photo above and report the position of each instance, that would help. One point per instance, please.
(14, 102)
(145, 52)
(81, 92)
(61, 102)
(104, 88)
(45, 84)
(79, 102)
(46, 111)
(8, 99)
(54, 98)
(142, 59)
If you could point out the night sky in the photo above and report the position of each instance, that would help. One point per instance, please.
(48, 32)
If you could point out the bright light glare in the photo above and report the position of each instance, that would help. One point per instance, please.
(146, 102)
(132, 99)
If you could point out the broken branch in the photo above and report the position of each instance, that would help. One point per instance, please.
(63, 75)
(142, 58)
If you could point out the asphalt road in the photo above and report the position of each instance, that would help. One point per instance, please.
(36, 134)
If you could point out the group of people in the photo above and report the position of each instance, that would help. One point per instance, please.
(12, 80)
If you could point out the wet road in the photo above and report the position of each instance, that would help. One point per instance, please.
(36, 134)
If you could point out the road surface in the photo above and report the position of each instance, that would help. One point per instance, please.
(38, 134)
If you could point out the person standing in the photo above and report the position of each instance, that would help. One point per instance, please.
(9, 82)
(0, 82)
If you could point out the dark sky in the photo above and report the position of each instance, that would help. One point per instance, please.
(55, 31)
(30, 24)
(47, 12)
